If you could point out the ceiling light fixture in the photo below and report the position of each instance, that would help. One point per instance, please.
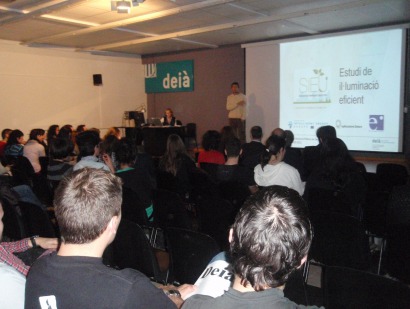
(124, 6)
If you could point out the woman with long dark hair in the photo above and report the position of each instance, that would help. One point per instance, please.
(15, 144)
(35, 148)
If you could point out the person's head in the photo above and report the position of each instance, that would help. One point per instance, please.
(5, 134)
(53, 132)
(175, 145)
(169, 113)
(85, 203)
(278, 132)
(211, 140)
(113, 131)
(81, 128)
(15, 137)
(270, 238)
(336, 160)
(126, 152)
(233, 147)
(38, 135)
(275, 150)
(87, 143)
(66, 131)
(256, 132)
(325, 132)
(289, 138)
(235, 87)
(60, 148)
(109, 145)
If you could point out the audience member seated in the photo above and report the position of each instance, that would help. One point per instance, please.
(60, 164)
(252, 151)
(88, 210)
(210, 143)
(273, 171)
(293, 156)
(80, 128)
(52, 133)
(5, 136)
(169, 119)
(35, 148)
(311, 154)
(15, 144)
(136, 180)
(269, 240)
(232, 171)
(88, 144)
(177, 162)
(8, 248)
(66, 131)
(114, 131)
(279, 132)
(227, 133)
(338, 172)
(108, 147)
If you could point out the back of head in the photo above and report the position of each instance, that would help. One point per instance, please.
(36, 132)
(112, 131)
(233, 147)
(14, 135)
(273, 145)
(126, 151)
(85, 202)
(271, 236)
(52, 132)
(5, 132)
(336, 158)
(60, 148)
(86, 142)
(279, 132)
(325, 132)
(211, 140)
(66, 131)
(256, 132)
(289, 138)
(80, 128)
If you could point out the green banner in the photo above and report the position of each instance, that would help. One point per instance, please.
(175, 76)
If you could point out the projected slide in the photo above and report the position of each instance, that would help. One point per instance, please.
(352, 82)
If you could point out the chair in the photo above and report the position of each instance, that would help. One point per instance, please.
(132, 208)
(339, 240)
(190, 253)
(132, 249)
(13, 223)
(190, 132)
(391, 175)
(349, 288)
(22, 170)
(169, 210)
(398, 234)
(234, 192)
(326, 200)
(36, 221)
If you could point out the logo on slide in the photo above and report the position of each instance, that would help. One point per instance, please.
(311, 86)
(376, 122)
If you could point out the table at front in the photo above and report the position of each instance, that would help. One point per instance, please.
(155, 138)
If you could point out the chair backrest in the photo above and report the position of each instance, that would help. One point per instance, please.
(191, 252)
(22, 171)
(13, 222)
(339, 240)
(169, 210)
(36, 220)
(132, 249)
(330, 200)
(132, 208)
(391, 174)
(398, 210)
(191, 130)
(236, 193)
(350, 288)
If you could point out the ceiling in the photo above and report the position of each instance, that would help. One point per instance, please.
(160, 26)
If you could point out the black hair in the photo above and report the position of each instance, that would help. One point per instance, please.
(211, 140)
(256, 132)
(273, 145)
(233, 147)
(86, 142)
(60, 148)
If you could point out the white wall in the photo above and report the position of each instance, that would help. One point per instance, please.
(40, 87)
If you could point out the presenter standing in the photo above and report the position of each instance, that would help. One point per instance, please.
(236, 105)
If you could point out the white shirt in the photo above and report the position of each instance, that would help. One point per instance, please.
(91, 162)
(235, 110)
(12, 288)
(33, 150)
(281, 174)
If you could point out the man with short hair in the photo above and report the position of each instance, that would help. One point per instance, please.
(236, 105)
(5, 136)
(252, 151)
(88, 210)
(269, 240)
